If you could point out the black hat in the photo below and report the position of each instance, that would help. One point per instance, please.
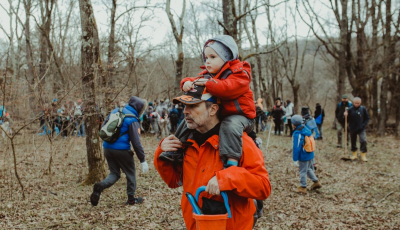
(195, 96)
(304, 110)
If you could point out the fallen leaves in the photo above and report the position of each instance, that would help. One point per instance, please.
(354, 195)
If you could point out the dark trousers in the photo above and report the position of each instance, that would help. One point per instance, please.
(363, 141)
(278, 125)
(230, 135)
(320, 130)
(289, 122)
(118, 160)
(64, 128)
(174, 126)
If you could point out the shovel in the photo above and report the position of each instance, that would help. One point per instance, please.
(345, 157)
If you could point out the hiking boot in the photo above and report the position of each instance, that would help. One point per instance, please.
(364, 157)
(176, 156)
(136, 200)
(354, 156)
(316, 186)
(95, 197)
(301, 190)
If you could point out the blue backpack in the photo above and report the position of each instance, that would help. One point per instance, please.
(318, 120)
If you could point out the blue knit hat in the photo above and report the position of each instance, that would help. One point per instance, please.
(297, 120)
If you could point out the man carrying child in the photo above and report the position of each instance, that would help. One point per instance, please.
(228, 79)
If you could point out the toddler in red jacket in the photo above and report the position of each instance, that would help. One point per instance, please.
(228, 79)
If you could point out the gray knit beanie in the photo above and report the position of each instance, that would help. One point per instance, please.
(297, 120)
(223, 52)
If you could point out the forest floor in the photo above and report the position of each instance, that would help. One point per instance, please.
(354, 195)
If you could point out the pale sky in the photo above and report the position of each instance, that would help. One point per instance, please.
(159, 28)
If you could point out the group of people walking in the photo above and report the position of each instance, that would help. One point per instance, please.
(281, 114)
(162, 117)
(66, 119)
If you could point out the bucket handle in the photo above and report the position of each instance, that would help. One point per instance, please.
(223, 194)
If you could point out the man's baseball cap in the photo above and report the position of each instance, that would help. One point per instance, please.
(195, 96)
(344, 96)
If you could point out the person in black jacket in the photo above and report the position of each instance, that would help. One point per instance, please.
(340, 119)
(358, 118)
(277, 114)
(319, 115)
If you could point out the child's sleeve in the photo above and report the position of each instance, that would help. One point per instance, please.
(188, 79)
(231, 88)
(297, 146)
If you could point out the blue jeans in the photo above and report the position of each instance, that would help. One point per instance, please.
(80, 127)
(306, 169)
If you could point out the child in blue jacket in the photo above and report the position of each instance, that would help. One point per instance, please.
(304, 160)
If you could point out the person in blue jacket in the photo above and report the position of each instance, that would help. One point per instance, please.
(304, 160)
(309, 121)
(119, 155)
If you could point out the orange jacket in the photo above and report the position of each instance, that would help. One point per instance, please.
(243, 184)
(234, 92)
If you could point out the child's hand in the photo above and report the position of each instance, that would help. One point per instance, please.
(201, 81)
(187, 86)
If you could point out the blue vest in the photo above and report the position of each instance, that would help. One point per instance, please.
(123, 142)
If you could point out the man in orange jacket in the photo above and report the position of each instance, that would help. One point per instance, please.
(202, 165)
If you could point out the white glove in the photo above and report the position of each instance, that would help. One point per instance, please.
(296, 163)
(145, 167)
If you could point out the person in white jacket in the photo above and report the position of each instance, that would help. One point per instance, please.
(288, 115)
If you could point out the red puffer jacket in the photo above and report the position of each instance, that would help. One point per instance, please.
(234, 92)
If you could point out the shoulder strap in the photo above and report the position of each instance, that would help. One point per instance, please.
(128, 114)
(225, 74)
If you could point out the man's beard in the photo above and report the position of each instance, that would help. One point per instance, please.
(194, 124)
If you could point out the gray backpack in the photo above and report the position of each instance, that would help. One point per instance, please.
(111, 129)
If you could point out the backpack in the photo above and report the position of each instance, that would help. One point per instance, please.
(280, 107)
(318, 120)
(110, 131)
(309, 144)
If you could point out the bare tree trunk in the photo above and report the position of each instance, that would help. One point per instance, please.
(374, 52)
(29, 56)
(342, 50)
(230, 20)
(386, 71)
(45, 11)
(90, 58)
(107, 84)
(179, 44)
